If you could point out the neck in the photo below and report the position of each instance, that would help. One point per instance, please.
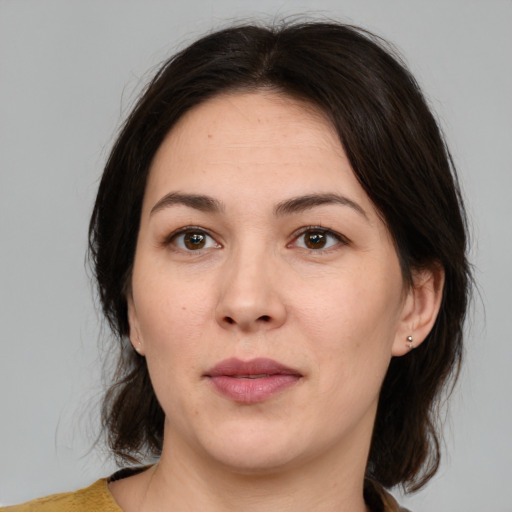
(180, 483)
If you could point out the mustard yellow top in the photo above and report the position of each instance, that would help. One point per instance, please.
(97, 498)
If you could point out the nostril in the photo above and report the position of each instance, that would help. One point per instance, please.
(263, 319)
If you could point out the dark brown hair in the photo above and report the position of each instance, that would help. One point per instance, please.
(398, 155)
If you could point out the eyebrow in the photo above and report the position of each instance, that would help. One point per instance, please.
(302, 203)
(298, 204)
(198, 202)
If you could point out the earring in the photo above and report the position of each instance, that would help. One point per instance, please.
(410, 342)
(137, 348)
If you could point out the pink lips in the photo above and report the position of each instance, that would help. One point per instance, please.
(251, 381)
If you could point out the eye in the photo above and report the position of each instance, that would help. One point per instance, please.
(318, 238)
(191, 239)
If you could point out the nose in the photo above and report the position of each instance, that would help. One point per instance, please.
(250, 299)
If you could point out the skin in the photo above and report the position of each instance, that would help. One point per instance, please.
(336, 313)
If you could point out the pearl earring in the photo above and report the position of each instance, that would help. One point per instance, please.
(410, 342)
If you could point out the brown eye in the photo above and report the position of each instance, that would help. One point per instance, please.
(193, 240)
(315, 239)
(318, 239)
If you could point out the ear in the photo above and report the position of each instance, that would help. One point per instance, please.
(420, 309)
(133, 323)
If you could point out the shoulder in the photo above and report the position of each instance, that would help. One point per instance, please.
(95, 498)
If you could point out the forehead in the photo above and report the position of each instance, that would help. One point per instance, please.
(253, 143)
(266, 108)
(238, 121)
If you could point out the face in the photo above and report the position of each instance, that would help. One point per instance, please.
(266, 294)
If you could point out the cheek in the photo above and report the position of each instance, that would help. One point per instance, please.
(351, 308)
(168, 302)
(350, 342)
(172, 316)
(350, 323)
(171, 322)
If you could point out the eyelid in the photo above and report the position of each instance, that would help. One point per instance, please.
(169, 240)
(342, 240)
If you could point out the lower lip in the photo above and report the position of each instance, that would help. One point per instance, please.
(248, 391)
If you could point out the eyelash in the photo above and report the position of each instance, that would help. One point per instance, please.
(328, 233)
(196, 230)
(190, 230)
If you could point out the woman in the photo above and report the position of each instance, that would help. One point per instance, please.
(280, 246)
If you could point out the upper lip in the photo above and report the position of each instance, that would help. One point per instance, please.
(234, 367)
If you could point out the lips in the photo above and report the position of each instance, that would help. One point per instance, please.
(251, 381)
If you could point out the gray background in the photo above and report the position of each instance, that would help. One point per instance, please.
(69, 71)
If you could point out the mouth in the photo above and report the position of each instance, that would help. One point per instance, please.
(260, 376)
(251, 381)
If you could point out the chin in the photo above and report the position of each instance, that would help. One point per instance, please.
(256, 452)
(256, 462)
